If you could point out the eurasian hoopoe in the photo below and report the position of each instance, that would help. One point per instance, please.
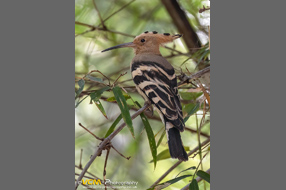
(156, 81)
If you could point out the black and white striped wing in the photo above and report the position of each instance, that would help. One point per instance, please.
(159, 85)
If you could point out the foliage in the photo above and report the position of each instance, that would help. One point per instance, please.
(101, 78)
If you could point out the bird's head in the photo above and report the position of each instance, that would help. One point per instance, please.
(147, 42)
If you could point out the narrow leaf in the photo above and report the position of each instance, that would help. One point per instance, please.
(190, 95)
(161, 138)
(80, 101)
(194, 185)
(170, 182)
(121, 101)
(151, 138)
(80, 83)
(112, 99)
(100, 107)
(190, 168)
(95, 79)
(150, 135)
(204, 175)
(165, 154)
(112, 127)
(95, 96)
(192, 111)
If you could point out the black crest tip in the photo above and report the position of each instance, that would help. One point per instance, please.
(155, 32)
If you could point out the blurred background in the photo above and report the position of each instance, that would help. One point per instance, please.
(101, 24)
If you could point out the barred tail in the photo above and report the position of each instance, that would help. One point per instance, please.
(175, 144)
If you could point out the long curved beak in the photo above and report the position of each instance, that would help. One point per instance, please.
(130, 44)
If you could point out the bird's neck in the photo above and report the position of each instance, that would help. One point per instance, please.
(154, 51)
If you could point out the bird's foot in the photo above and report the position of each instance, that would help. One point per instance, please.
(150, 109)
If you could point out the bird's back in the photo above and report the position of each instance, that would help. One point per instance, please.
(155, 79)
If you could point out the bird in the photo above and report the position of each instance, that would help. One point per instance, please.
(156, 82)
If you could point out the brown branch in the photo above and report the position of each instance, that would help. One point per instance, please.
(127, 158)
(104, 143)
(100, 18)
(186, 79)
(93, 28)
(178, 163)
(195, 131)
(98, 138)
(198, 180)
(80, 165)
(124, 6)
(87, 172)
(204, 9)
(122, 74)
(181, 21)
(104, 168)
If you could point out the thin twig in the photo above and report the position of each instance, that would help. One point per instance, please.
(104, 169)
(104, 142)
(122, 74)
(87, 172)
(195, 131)
(93, 28)
(176, 164)
(204, 9)
(203, 147)
(124, 6)
(200, 164)
(98, 138)
(80, 165)
(92, 71)
(101, 20)
(127, 158)
(84, 176)
(187, 79)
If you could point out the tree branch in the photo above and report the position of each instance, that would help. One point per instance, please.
(181, 21)
(178, 163)
(104, 143)
(93, 28)
(186, 79)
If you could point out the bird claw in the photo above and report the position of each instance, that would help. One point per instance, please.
(149, 109)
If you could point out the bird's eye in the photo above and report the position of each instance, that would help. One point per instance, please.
(142, 40)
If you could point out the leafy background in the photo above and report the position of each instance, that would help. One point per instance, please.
(124, 20)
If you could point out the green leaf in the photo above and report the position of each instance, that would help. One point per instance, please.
(165, 154)
(80, 101)
(204, 175)
(151, 138)
(190, 95)
(150, 135)
(100, 107)
(203, 55)
(191, 109)
(161, 138)
(190, 168)
(194, 185)
(80, 83)
(170, 182)
(95, 79)
(95, 96)
(112, 127)
(121, 101)
(112, 99)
